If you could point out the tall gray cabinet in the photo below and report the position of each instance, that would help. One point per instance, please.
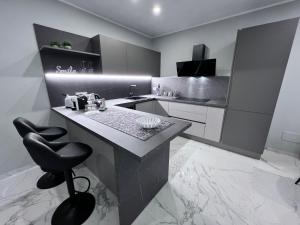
(123, 58)
(261, 56)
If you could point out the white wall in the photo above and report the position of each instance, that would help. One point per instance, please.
(220, 38)
(22, 87)
(287, 111)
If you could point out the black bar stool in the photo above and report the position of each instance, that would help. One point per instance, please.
(62, 157)
(23, 126)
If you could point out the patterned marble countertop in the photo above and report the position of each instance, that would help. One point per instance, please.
(125, 122)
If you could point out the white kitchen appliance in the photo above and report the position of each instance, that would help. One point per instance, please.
(71, 102)
(102, 104)
(90, 96)
(75, 102)
(93, 97)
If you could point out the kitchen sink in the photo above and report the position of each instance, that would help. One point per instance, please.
(135, 97)
(194, 99)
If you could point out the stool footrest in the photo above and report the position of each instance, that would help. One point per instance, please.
(85, 178)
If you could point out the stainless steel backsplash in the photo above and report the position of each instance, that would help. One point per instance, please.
(194, 87)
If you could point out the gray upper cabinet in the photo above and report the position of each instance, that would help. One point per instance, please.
(113, 55)
(153, 62)
(261, 57)
(136, 59)
(123, 58)
(143, 61)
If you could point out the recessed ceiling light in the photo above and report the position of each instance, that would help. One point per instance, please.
(156, 10)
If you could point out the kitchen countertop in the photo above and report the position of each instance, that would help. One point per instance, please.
(220, 103)
(120, 140)
(135, 146)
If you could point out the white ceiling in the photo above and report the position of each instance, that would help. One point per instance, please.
(176, 15)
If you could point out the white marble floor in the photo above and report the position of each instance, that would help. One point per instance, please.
(207, 186)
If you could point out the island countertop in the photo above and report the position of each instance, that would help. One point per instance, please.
(138, 148)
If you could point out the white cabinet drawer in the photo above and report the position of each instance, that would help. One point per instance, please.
(197, 129)
(214, 123)
(188, 111)
(187, 107)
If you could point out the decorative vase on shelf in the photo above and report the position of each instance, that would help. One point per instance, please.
(67, 45)
(90, 68)
(54, 44)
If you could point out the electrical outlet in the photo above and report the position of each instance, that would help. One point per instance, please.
(290, 137)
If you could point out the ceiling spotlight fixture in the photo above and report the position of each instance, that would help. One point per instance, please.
(156, 10)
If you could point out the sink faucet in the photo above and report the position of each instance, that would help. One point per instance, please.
(131, 90)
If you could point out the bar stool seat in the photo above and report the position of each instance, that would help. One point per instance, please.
(24, 126)
(62, 157)
(75, 152)
(52, 133)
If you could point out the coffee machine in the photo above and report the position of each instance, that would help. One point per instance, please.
(75, 102)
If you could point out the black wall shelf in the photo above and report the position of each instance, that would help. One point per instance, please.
(84, 55)
(49, 49)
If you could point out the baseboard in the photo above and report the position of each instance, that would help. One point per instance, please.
(280, 151)
(243, 152)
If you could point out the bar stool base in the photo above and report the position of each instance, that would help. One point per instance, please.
(74, 210)
(50, 180)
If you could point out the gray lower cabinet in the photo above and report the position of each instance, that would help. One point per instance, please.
(246, 130)
(161, 108)
(123, 58)
(147, 107)
(113, 55)
(154, 107)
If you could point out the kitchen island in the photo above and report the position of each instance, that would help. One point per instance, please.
(132, 168)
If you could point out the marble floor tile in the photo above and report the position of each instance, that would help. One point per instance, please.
(36, 207)
(282, 164)
(211, 186)
(207, 186)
